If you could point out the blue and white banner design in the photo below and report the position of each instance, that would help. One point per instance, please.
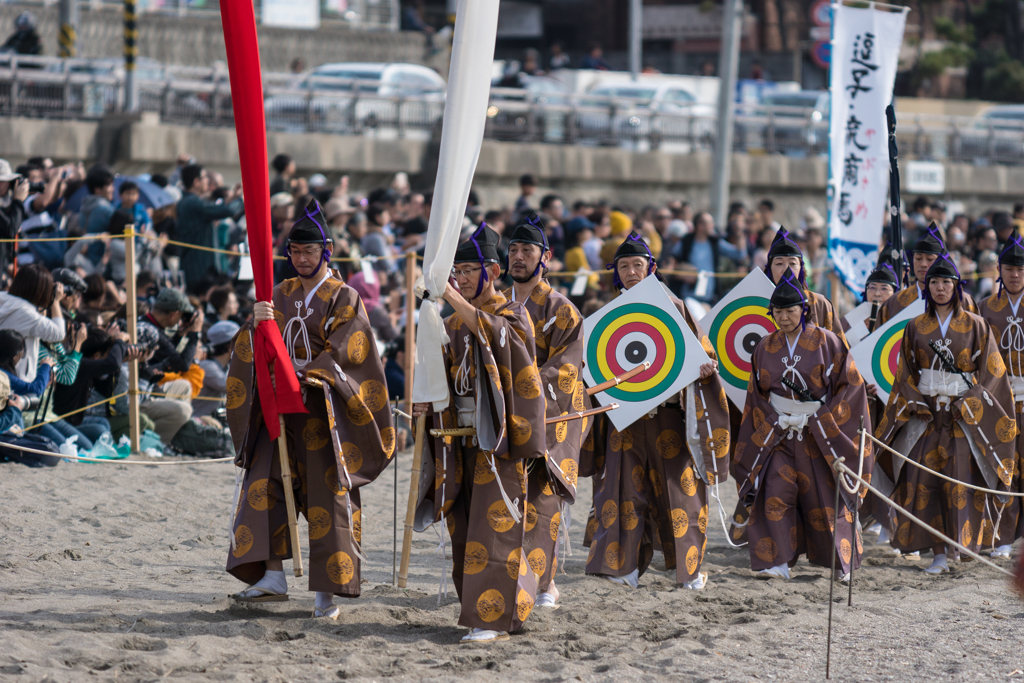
(865, 51)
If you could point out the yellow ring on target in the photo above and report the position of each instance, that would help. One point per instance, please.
(886, 351)
(670, 351)
(727, 325)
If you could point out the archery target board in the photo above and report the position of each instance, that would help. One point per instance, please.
(735, 326)
(878, 356)
(641, 326)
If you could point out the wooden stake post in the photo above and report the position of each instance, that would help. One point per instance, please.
(132, 319)
(414, 490)
(289, 499)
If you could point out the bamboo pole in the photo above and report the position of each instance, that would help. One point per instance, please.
(414, 490)
(132, 320)
(289, 499)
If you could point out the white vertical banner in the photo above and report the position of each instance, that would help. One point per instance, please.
(865, 52)
(462, 133)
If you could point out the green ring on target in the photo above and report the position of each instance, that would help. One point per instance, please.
(625, 311)
(725, 363)
(882, 353)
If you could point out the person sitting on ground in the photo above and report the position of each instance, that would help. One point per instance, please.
(12, 350)
(33, 291)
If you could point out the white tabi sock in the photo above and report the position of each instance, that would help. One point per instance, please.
(883, 537)
(1002, 551)
(697, 583)
(631, 579)
(324, 600)
(938, 565)
(273, 581)
(781, 570)
(875, 528)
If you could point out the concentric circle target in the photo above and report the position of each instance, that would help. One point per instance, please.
(735, 332)
(885, 357)
(629, 336)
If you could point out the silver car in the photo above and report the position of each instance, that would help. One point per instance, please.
(360, 99)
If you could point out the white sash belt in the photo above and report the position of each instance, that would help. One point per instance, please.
(466, 406)
(943, 386)
(793, 415)
(1017, 384)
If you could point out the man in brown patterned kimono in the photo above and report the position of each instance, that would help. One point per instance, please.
(657, 471)
(558, 334)
(479, 485)
(343, 443)
(1002, 311)
(788, 440)
(949, 417)
(926, 250)
(785, 253)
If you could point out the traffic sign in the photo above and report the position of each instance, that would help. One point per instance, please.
(821, 13)
(821, 53)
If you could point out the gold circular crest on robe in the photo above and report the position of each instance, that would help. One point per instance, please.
(490, 606)
(319, 522)
(340, 568)
(243, 346)
(528, 382)
(315, 434)
(235, 393)
(243, 541)
(476, 558)
(358, 347)
(680, 522)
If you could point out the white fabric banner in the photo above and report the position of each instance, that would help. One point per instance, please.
(865, 52)
(462, 132)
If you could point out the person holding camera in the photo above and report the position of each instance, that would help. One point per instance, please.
(21, 308)
(74, 288)
(13, 193)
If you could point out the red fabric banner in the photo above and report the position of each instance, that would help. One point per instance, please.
(239, 20)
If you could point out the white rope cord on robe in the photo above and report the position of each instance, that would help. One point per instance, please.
(839, 465)
(943, 476)
(113, 462)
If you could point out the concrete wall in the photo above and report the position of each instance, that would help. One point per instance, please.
(199, 41)
(142, 143)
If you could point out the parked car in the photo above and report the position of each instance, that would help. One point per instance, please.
(645, 116)
(791, 123)
(995, 136)
(513, 112)
(361, 98)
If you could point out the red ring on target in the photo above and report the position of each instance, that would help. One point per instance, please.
(730, 336)
(647, 330)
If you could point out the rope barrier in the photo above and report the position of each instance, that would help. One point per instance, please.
(104, 236)
(178, 396)
(112, 461)
(838, 464)
(79, 410)
(943, 476)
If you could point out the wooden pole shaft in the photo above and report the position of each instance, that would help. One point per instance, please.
(410, 329)
(132, 320)
(289, 499)
(414, 490)
(604, 386)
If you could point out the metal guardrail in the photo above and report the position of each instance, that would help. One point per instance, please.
(364, 14)
(51, 88)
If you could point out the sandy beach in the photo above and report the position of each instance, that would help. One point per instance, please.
(115, 573)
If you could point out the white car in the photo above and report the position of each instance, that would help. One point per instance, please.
(645, 116)
(361, 99)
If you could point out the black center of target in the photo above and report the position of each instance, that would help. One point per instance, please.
(750, 342)
(636, 352)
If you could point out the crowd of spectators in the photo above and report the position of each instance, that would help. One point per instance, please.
(64, 347)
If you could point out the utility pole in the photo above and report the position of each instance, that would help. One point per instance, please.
(131, 51)
(728, 66)
(636, 36)
(67, 36)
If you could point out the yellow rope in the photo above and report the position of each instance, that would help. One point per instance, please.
(73, 412)
(22, 240)
(178, 396)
